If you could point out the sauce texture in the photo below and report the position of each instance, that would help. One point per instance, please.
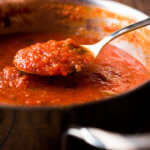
(113, 72)
(53, 58)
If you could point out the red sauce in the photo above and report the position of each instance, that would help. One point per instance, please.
(113, 72)
(53, 58)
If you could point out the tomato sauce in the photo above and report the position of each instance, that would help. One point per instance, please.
(53, 58)
(113, 72)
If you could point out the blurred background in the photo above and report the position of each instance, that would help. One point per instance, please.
(143, 5)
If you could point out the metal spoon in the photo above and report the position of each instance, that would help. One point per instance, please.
(96, 48)
(40, 67)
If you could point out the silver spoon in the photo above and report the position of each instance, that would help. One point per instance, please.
(96, 48)
(20, 61)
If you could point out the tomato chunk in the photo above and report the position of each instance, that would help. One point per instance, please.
(11, 77)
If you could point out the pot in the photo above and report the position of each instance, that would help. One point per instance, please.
(39, 128)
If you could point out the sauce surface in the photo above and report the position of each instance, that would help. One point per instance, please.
(113, 72)
(53, 58)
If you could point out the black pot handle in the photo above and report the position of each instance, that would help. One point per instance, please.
(108, 140)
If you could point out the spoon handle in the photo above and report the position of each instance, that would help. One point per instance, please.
(98, 46)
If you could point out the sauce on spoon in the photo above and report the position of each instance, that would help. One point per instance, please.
(53, 58)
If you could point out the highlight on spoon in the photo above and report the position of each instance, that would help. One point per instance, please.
(96, 48)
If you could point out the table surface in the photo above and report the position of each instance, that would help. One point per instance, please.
(143, 5)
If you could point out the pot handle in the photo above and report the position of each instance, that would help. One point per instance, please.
(108, 140)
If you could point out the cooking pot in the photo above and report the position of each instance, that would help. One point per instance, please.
(37, 128)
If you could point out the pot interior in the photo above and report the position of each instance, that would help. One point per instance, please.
(93, 18)
(61, 16)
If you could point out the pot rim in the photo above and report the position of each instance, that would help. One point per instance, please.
(136, 14)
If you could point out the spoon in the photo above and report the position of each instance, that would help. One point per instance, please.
(64, 57)
(96, 48)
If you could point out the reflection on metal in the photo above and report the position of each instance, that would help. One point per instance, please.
(109, 140)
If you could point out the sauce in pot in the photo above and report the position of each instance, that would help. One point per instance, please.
(113, 72)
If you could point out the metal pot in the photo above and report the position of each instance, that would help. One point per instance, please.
(39, 128)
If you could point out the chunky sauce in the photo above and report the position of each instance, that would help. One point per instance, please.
(113, 72)
(53, 58)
